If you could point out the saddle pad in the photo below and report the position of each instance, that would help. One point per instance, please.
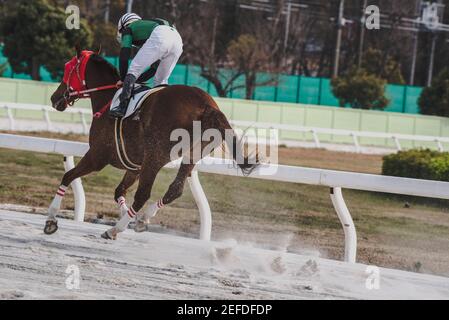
(136, 99)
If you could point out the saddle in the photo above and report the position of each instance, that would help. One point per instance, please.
(140, 93)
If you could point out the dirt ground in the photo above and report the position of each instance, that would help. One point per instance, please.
(393, 231)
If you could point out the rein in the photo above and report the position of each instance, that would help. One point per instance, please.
(82, 91)
(86, 94)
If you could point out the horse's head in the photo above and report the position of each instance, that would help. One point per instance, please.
(79, 75)
(72, 82)
(59, 99)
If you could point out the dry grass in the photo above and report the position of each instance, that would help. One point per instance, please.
(280, 215)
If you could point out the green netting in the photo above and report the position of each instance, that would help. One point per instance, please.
(265, 93)
(213, 91)
(309, 90)
(225, 76)
(113, 60)
(288, 89)
(20, 76)
(178, 75)
(327, 98)
(411, 99)
(239, 93)
(396, 95)
(8, 72)
(195, 79)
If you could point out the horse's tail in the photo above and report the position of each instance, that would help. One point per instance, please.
(214, 118)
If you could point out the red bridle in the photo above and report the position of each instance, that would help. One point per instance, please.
(74, 78)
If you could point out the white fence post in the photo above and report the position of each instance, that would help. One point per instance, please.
(203, 206)
(440, 145)
(10, 117)
(347, 223)
(315, 138)
(78, 191)
(356, 142)
(47, 119)
(83, 122)
(397, 143)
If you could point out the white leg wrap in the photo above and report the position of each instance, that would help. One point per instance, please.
(55, 205)
(152, 209)
(143, 219)
(124, 221)
(122, 206)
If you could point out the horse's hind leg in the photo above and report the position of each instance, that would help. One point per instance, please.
(174, 191)
(150, 168)
(84, 167)
(128, 180)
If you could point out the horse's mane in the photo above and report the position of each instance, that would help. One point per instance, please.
(99, 59)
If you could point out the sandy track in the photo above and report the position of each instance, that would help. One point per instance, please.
(161, 266)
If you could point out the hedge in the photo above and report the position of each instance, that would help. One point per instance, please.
(417, 163)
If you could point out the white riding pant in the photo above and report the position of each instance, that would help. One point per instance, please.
(164, 44)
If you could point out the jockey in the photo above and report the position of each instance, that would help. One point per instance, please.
(160, 47)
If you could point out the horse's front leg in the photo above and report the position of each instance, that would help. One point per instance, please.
(128, 180)
(84, 167)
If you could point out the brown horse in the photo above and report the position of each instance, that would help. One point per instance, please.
(147, 141)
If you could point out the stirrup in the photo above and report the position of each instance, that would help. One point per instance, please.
(119, 111)
(116, 113)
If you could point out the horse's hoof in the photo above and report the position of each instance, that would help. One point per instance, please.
(110, 234)
(51, 226)
(141, 226)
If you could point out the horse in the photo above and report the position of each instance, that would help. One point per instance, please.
(147, 139)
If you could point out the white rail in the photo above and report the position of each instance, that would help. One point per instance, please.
(335, 180)
(396, 138)
(46, 110)
(355, 135)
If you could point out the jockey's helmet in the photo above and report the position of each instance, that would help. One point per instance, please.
(124, 21)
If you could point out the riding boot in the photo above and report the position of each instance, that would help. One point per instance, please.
(125, 96)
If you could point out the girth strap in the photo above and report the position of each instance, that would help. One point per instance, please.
(120, 146)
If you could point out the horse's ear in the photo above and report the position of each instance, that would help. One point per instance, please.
(78, 50)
